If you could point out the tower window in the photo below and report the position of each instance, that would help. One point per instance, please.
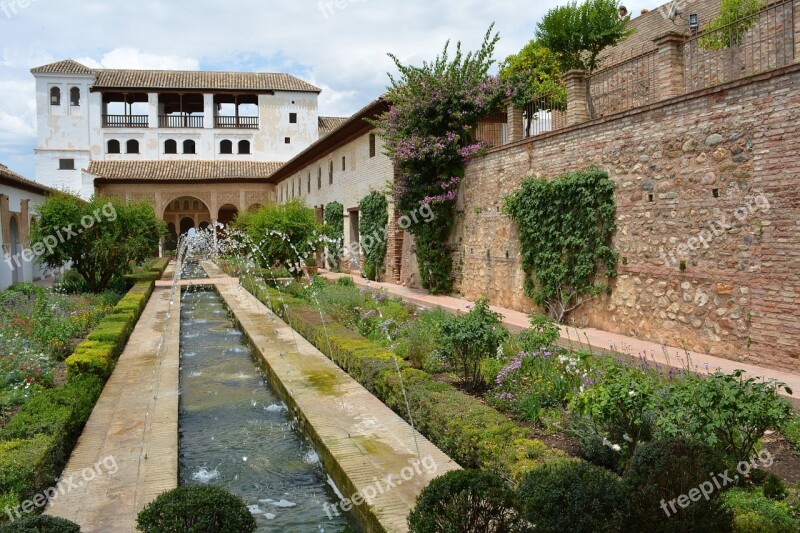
(113, 147)
(170, 146)
(75, 96)
(292, 118)
(189, 147)
(66, 164)
(226, 147)
(287, 140)
(55, 96)
(244, 147)
(132, 147)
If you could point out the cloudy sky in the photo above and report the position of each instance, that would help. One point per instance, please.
(339, 45)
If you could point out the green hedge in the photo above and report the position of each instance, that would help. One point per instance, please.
(37, 441)
(472, 433)
(97, 355)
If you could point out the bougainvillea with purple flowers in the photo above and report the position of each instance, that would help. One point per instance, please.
(428, 135)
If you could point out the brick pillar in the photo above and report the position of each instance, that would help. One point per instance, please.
(670, 66)
(577, 107)
(796, 13)
(515, 121)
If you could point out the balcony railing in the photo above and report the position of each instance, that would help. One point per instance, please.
(180, 121)
(125, 121)
(236, 122)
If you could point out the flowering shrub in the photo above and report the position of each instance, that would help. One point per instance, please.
(427, 134)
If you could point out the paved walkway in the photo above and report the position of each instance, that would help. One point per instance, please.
(366, 448)
(131, 439)
(598, 340)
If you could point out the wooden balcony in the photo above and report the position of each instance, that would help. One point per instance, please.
(236, 122)
(125, 121)
(180, 121)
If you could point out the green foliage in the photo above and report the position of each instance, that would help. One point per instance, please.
(373, 220)
(26, 466)
(573, 495)
(735, 19)
(119, 235)
(755, 513)
(534, 73)
(466, 501)
(419, 339)
(566, 227)
(792, 433)
(727, 411)
(469, 339)
(41, 524)
(334, 230)
(427, 135)
(622, 406)
(196, 509)
(774, 488)
(578, 33)
(665, 469)
(542, 333)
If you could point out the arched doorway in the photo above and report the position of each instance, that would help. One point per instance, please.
(227, 213)
(171, 242)
(186, 224)
(15, 252)
(185, 213)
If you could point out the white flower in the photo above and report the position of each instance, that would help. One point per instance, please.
(616, 448)
(632, 393)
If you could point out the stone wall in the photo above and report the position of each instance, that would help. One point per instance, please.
(710, 180)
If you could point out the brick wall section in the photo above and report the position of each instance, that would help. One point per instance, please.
(679, 166)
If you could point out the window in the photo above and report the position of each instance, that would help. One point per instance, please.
(287, 140)
(344, 163)
(244, 147)
(189, 147)
(319, 178)
(55, 96)
(299, 186)
(113, 147)
(309, 182)
(226, 147)
(75, 96)
(170, 146)
(132, 147)
(292, 118)
(66, 164)
(330, 174)
(372, 145)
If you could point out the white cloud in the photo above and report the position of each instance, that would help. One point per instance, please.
(132, 58)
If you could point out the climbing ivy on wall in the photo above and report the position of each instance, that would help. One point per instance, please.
(427, 134)
(373, 229)
(334, 229)
(566, 227)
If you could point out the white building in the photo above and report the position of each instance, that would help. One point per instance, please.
(87, 115)
(18, 200)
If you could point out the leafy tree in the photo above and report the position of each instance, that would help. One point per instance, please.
(427, 135)
(373, 227)
(566, 227)
(102, 238)
(735, 19)
(578, 34)
(285, 235)
(533, 72)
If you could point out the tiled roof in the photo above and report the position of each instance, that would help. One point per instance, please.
(9, 177)
(68, 66)
(166, 171)
(181, 79)
(328, 124)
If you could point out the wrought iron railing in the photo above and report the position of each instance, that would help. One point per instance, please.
(125, 121)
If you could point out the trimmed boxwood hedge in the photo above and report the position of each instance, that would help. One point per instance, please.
(470, 432)
(196, 509)
(41, 524)
(37, 441)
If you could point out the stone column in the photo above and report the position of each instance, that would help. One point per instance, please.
(5, 223)
(670, 80)
(515, 122)
(577, 106)
(24, 222)
(208, 111)
(153, 119)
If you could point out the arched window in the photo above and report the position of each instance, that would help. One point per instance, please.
(226, 147)
(244, 147)
(75, 96)
(132, 147)
(189, 147)
(113, 147)
(170, 146)
(55, 96)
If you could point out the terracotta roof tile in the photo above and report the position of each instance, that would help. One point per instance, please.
(68, 66)
(9, 177)
(177, 79)
(162, 171)
(328, 124)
